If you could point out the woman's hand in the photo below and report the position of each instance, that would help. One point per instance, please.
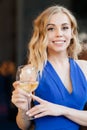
(44, 108)
(20, 97)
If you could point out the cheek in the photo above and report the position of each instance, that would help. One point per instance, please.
(69, 36)
(49, 46)
(50, 37)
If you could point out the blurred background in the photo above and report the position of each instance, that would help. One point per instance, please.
(16, 18)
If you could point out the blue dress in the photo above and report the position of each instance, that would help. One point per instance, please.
(52, 89)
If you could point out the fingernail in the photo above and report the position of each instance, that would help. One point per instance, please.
(29, 95)
(27, 113)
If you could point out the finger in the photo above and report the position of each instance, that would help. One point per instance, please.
(18, 100)
(41, 114)
(19, 96)
(20, 91)
(37, 98)
(21, 105)
(35, 110)
(15, 84)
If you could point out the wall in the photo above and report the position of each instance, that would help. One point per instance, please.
(7, 30)
(27, 11)
(16, 17)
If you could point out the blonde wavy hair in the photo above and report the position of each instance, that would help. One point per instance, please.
(38, 43)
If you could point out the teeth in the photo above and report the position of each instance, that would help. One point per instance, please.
(58, 42)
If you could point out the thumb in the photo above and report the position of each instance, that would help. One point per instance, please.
(36, 98)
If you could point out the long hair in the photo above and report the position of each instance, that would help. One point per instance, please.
(38, 43)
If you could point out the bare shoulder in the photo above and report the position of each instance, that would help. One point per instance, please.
(83, 66)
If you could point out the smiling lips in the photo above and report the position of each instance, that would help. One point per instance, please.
(59, 42)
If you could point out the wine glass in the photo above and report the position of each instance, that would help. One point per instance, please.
(28, 79)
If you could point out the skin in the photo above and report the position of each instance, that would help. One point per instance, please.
(59, 33)
(59, 36)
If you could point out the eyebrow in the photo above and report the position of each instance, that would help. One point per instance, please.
(50, 24)
(54, 24)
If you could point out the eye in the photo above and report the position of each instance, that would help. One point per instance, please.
(65, 28)
(50, 29)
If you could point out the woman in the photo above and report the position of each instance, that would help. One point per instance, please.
(62, 91)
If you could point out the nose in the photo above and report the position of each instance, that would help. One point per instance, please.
(58, 32)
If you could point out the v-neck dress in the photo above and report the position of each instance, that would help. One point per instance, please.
(52, 89)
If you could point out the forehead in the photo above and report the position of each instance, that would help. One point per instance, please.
(59, 18)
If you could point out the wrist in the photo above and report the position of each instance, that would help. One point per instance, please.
(64, 110)
(21, 110)
(23, 114)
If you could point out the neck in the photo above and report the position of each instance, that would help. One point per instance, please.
(58, 59)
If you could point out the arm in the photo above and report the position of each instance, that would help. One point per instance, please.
(46, 108)
(78, 116)
(20, 100)
(23, 120)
